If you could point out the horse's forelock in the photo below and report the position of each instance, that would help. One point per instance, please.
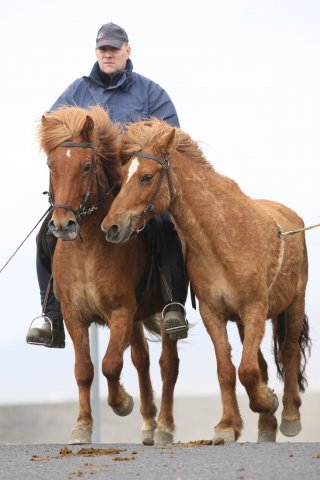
(145, 132)
(139, 134)
(68, 122)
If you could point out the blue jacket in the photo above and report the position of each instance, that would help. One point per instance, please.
(128, 97)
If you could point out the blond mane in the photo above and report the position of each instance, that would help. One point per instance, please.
(146, 132)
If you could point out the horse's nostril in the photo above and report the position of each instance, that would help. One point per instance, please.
(51, 225)
(113, 231)
(71, 224)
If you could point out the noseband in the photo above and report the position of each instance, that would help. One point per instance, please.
(83, 209)
(164, 162)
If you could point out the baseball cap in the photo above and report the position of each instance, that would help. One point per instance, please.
(111, 34)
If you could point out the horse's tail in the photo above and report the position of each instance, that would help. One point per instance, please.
(152, 325)
(279, 330)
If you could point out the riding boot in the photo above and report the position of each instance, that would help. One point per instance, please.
(51, 332)
(174, 281)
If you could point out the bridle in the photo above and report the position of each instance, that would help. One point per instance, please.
(164, 162)
(84, 209)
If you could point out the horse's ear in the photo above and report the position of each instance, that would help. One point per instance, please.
(167, 143)
(87, 129)
(43, 120)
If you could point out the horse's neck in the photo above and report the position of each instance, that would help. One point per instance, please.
(205, 201)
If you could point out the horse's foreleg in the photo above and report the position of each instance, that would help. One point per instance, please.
(230, 426)
(141, 360)
(267, 425)
(121, 324)
(169, 365)
(262, 398)
(291, 359)
(81, 432)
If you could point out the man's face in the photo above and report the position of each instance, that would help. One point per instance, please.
(113, 59)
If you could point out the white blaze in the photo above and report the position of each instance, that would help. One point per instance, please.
(133, 168)
(68, 153)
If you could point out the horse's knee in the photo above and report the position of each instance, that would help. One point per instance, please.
(84, 373)
(248, 375)
(111, 368)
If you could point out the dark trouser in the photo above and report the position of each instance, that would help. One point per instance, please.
(46, 243)
(174, 282)
(52, 307)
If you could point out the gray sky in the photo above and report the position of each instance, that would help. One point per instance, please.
(244, 76)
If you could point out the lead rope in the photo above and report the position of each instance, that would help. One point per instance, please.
(283, 236)
(17, 249)
(292, 232)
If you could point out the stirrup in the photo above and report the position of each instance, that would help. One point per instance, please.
(44, 319)
(175, 322)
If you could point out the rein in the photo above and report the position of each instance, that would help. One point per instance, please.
(164, 162)
(83, 209)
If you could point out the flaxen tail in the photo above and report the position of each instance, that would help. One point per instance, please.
(279, 332)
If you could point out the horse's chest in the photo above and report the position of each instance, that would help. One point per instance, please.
(79, 283)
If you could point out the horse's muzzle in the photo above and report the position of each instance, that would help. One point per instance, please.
(67, 232)
(117, 234)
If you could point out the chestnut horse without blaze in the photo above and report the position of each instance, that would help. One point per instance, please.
(240, 265)
(96, 281)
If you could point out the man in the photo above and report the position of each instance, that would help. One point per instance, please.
(128, 97)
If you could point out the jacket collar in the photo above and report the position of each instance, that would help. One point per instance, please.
(118, 80)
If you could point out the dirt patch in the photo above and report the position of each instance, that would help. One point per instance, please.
(196, 443)
(123, 459)
(36, 458)
(91, 452)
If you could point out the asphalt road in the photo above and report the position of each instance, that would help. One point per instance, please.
(241, 461)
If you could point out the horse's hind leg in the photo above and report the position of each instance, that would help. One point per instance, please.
(169, 364)
(296, 341)
(141, 360)
(81, 432)
(267, 424)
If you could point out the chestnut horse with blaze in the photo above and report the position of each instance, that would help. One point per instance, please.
(241, 265)
(96, 281)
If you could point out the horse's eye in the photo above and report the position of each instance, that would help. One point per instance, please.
(87, 168)
(146, 178)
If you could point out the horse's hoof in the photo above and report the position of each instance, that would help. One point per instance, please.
(147, 437)
(228, 436)
(80, 435)
(290, 428)
(162, 437)
(126, 409)
(275, 404)
(264, 437)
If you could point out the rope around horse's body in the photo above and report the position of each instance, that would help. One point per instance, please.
(283, 236)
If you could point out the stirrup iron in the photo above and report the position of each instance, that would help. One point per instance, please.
(175, 322)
